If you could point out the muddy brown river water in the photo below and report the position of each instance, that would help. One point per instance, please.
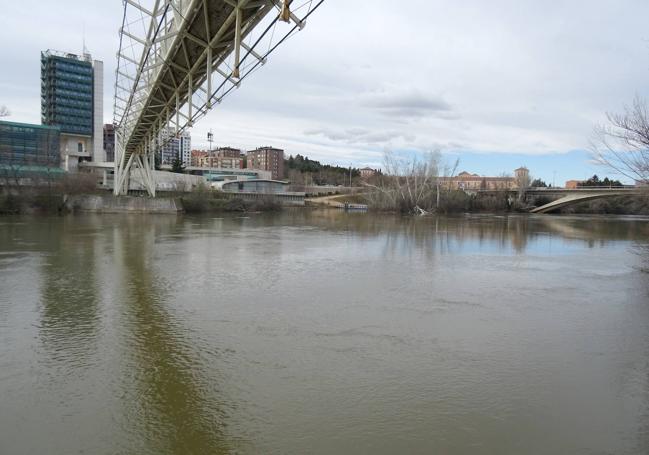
(324, 332)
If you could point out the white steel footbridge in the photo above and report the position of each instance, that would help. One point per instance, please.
(179, 58)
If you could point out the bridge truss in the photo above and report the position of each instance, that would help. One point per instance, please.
(177, 59)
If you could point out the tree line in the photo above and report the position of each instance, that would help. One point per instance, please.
(595, 181)
(305, 171)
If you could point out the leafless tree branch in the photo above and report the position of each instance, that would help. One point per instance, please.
(409, 183)
(623, 143)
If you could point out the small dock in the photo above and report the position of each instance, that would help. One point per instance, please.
(347, 206)
(335, 202)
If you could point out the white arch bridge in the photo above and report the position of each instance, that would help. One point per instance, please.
(179, 58)
(563, 197)
(566, 197)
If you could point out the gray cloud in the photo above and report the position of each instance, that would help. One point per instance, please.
(408, 103)
(361, 136)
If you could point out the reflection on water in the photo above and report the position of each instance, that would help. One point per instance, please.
(466, 232)
(69, 323)
(166, 405)
(324, 332)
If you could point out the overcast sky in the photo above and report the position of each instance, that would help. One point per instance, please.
(498, 84)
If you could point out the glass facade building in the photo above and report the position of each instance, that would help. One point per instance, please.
(175, 146)
(23, 145)
(67, 92)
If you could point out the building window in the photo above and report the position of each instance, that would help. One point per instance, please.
(80, 147)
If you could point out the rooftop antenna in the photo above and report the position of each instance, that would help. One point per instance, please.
(86, 54)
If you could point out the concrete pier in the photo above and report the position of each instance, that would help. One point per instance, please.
(107, 203)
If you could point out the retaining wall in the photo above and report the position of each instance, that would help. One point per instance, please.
(107, 203)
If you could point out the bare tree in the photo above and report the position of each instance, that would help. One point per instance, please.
(4, 112)
(447, 176)
(410, 183)
(623, 143)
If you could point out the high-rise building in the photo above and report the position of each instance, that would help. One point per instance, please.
(175, 147)
(267, 159)
(168, 150)
(109, 142)
(72, 99)
(185, 148)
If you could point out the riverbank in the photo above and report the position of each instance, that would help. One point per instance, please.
(49, 201)
(457, 201)
(208, 201)
(61, 199)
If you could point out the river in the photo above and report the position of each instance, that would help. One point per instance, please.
(324, 332)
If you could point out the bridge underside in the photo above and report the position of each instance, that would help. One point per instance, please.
(178, 58)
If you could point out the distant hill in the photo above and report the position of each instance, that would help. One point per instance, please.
(301, 170)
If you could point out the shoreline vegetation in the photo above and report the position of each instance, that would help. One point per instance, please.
(412, 193)
(51, 197)
(454, 202)
(457, 201)
(46, 196)
(205, 200)
(52, 201)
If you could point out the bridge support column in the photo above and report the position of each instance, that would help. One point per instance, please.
(122, 177)
(143, 161)
(146, 163)
(122, 165)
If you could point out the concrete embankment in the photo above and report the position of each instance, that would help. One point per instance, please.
(107, 203)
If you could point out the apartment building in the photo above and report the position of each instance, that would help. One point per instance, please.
(267, 159)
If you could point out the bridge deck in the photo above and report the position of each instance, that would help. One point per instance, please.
(211, 22)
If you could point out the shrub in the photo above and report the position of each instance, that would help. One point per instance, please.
(77, 184)
(205, 201)
(9, 204)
